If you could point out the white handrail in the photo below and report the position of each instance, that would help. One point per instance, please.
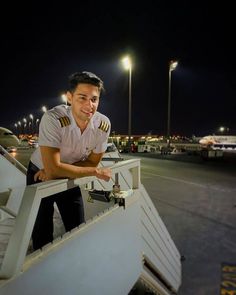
(12, 160)
(18, 244)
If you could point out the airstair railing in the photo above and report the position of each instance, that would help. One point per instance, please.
(12, 160)
(19, 241)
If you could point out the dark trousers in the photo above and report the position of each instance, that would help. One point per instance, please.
(70, 205)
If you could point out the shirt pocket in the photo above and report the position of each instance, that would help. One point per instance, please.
(87, 151)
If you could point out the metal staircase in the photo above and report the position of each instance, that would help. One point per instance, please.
(123, 245)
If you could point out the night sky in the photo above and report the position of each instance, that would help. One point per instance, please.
(42, 46)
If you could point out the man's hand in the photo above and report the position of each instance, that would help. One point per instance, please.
(40, 175)
(103, 173)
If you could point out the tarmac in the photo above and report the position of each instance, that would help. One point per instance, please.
(197, 202)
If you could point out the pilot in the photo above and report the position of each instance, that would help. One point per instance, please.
(72, 140)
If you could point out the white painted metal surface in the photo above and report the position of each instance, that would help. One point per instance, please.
(106, 255)
(12, 184)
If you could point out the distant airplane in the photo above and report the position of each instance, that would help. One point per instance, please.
(219, 141)
(7, 138)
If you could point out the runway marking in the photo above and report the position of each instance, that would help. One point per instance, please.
(228, 279)
(211, 186)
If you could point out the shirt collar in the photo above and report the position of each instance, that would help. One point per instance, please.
(72, 120)
(73, 123)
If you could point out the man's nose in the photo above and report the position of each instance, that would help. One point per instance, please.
(90, 103)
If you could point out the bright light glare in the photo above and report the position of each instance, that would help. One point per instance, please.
(127, 62)
(44, 109)
(173, 65)
(64, 98)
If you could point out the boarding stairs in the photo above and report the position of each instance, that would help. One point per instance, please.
(124, 246)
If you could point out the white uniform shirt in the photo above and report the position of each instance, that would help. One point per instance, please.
(58, 129)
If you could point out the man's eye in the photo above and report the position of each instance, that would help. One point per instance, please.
(94, 99)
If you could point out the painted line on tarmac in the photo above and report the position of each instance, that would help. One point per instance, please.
(228, 279)
(211, 186)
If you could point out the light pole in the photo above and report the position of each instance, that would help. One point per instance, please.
(127, 63)
(16, 128)
(19, 124)
(64, 98)
(37, 125)
(172, 66)
(25, 125)
(32, 126)
(44, 109)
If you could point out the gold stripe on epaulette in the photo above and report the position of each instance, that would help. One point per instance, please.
(104, 126)
(65, 121)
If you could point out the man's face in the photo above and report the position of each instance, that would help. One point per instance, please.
(84, 101)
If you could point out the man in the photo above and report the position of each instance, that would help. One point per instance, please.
(72, 140)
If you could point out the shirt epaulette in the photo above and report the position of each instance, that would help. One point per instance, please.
(64, 121)
(104, 126)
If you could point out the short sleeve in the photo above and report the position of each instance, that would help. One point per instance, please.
(102, 138)
(49, 131)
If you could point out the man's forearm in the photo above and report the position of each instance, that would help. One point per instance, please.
(85, 163)
(92, 161)
(63, 170)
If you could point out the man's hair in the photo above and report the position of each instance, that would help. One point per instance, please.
(84, 77)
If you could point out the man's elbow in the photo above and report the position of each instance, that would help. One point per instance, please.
(52, 172)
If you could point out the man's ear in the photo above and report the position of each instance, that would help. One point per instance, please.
(69, 97)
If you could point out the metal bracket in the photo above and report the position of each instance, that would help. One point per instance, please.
(108, 196)
(115, 195)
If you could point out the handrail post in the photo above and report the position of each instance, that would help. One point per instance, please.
(20, 237)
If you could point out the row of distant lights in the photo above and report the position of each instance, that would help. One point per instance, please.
(25, 121)
(127, 65)
(44, 109)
